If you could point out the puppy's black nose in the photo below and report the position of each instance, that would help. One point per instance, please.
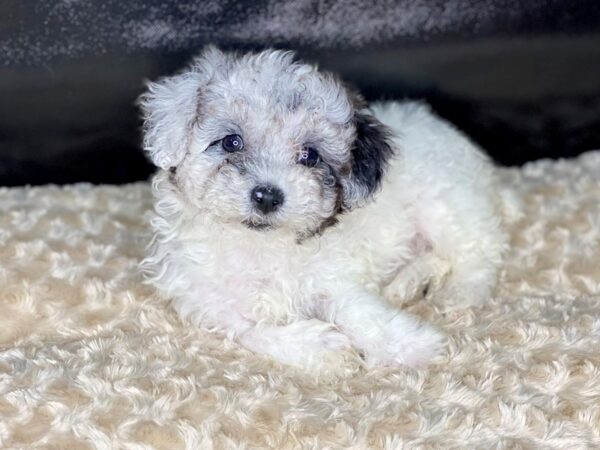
(267, 198)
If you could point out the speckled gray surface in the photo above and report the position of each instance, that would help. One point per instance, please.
(38, 31)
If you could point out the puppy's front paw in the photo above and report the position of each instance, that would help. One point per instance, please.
(306, 343)
(400, 343)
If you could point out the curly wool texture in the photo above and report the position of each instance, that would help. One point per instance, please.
(92, 358)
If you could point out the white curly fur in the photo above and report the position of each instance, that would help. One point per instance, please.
(295, 291)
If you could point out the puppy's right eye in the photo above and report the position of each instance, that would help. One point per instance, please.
(232, 143)
(308, 157)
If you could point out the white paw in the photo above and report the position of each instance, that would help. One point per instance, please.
(409, 284)
(305, 343)
(417, 280)
(402, 342)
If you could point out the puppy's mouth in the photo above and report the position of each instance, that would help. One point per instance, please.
(258, 226)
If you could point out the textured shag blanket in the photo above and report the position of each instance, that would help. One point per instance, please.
(90, 357)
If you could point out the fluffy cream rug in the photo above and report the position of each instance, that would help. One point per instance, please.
(92, 358)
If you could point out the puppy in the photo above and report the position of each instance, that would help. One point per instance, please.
(286, 211)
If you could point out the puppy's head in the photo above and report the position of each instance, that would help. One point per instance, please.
(264, 141)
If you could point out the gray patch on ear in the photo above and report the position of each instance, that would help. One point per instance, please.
(370, 152)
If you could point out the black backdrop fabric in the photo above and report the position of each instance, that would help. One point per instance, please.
(521, 77)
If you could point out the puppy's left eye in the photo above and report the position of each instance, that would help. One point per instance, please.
(308, 157)
(232, 143)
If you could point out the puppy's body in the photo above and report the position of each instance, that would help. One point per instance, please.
(299, 293)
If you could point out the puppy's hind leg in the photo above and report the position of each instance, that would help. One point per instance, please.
(417, 279)
(475, 257)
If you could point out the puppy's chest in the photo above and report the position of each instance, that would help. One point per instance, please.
(269, 283)
(249, 268)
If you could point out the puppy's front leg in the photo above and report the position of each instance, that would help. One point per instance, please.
(306, 343)
(387, 336)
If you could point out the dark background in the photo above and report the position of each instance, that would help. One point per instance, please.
(521, 77)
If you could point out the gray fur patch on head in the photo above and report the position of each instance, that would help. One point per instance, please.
(278, 107)
(294, 100)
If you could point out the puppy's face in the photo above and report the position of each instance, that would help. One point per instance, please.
(263, 141)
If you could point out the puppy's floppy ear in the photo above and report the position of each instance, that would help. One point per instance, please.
(170, 108)
(370, 154)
